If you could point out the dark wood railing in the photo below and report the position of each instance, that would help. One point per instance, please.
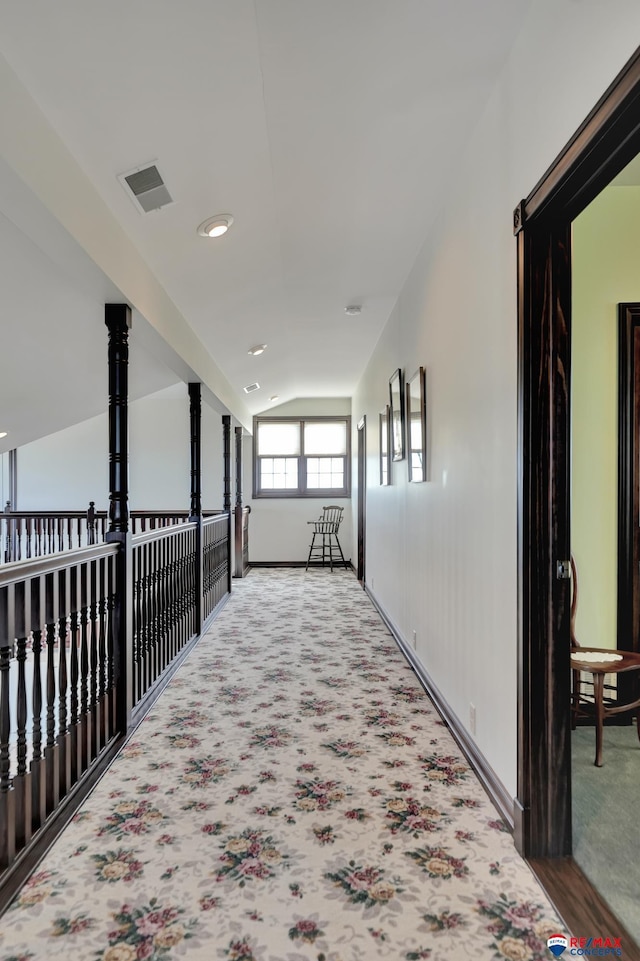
(28, 534)
(85, 643)
(57, 683)
(216, 561)
(164, 602)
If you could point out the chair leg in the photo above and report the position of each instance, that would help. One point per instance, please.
(346, 566)
(598, 689)
(313, 539)
(575, 699)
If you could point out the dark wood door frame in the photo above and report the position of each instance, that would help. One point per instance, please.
(607, 140)
(628, 477)
(362, 498)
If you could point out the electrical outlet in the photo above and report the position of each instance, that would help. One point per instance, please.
(472, 718)
(414, 639)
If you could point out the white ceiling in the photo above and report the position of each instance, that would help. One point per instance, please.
(328, 128)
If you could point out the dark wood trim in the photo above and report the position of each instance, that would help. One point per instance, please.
(544, 728)
(25, 862)
(362, 500)
(600, 148)
(497, 792)
(578, 903)
(226, 456)
(143, 707)
(603, 144)
(15, 876)
(628, 638)
(292, 564)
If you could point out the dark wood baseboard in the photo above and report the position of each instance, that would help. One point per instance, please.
(490, 781)
(26, 862)
(582, 909)
(314, 564)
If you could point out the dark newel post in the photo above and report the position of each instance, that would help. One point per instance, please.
(226, 437)
(118, 321)
(239, 520)
(195, 514)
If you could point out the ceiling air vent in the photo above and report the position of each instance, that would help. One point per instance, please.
(146, 188)
(251, 388)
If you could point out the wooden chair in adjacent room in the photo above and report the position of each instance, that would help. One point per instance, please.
(598, 662)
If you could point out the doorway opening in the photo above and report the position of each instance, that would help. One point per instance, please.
(604, 144)
(362, 498)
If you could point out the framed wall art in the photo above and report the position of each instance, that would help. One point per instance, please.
(385, 473)
(396, 414)
(417, 426)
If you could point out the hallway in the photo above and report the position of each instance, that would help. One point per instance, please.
(292, 796)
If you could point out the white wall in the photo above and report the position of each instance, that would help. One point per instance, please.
(278, 528)
(441, 556)
(66, 470)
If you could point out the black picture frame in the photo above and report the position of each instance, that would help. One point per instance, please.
(385, 447)
(396, 414)
(416, 408)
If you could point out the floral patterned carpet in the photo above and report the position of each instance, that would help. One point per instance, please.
(293, 796)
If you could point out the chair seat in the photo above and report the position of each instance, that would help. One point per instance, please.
(598, 662)
(606, 661)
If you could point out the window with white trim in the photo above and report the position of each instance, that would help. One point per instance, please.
(301, 456)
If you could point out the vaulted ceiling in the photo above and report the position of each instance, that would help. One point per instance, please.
(329, 129)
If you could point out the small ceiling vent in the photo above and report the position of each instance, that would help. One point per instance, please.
(146, 188)
(250, 389)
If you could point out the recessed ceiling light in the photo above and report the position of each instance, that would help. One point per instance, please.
(215, 226)
(353, 310)
(258, 349)
(274, 397)
(3, 433)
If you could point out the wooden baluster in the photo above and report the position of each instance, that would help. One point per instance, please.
(28, 525)
(64, 737)
(74, 721)
(151, 632)
(91, 523)
(85, 720)
(7, 794)
(22, 780)
(93, 660)
(51, 751)
(38, 785)
(175, 604)
(101, 735)
(139, 619)
(111, 628)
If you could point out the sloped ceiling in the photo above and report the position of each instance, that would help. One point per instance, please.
(328, 128)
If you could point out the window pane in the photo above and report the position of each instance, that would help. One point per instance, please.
(325, 438)
(327, 473)
(279, 473)
(279, 439)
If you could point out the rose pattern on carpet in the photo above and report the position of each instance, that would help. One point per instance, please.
(292, 796)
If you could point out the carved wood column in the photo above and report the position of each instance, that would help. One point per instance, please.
(195, 512)
(226, 456)
(239, 520)
(118, 321)
(195, 419)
